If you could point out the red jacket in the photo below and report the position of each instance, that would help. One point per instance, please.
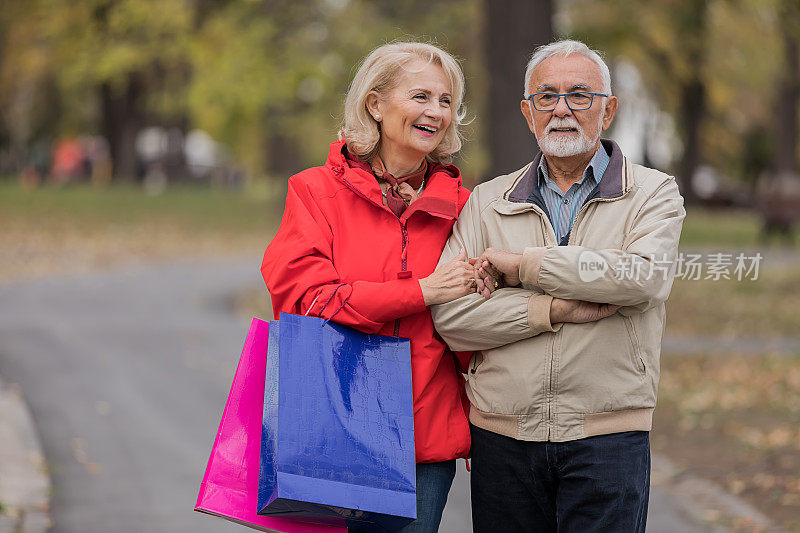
(335, 230)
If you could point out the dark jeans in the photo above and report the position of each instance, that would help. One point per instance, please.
(433, 486)
(594, 484)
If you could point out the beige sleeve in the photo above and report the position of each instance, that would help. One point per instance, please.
(475, 323)
(639, 275)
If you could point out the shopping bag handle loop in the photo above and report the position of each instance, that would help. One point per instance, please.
(322, 310)
(310, 307)
(340, 307)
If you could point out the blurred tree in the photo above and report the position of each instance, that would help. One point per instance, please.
(513, 30)
(691, 24)
(787, 108)
(115, 64)
(669, 39)
(134, 53)
(236, 76)
(742, 61)
(269, 77)
(24, 82)
(715, 65)
(265, 77)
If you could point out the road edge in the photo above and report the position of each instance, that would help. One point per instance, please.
(24, 480)
(706, 503)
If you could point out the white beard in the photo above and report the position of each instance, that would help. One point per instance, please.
(561, 145)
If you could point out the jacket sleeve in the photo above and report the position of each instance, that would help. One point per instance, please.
(462, 358)
(300, 274)
(475, 323)
(638, 276)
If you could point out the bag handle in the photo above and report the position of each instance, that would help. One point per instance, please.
(329, 301)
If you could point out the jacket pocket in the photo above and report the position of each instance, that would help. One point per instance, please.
(477, 359)
(633, 339)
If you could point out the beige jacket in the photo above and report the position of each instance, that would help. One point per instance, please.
(533, 380)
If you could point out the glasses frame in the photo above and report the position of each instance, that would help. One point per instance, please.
(558, 99)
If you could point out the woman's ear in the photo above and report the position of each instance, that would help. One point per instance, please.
(373, 104)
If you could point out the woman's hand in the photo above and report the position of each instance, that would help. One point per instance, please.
(450, 281)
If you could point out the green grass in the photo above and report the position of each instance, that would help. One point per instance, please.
(65, 230)
(214, 209)
(763, 308)
(724, 228)
(86, 207)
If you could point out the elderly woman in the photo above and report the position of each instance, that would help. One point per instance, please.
(375, 218)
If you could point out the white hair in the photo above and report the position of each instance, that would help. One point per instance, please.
(379, 73)
(566, 48)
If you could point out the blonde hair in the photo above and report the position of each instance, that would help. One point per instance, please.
(378, 73)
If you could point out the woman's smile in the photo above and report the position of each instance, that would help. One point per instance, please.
(414, 116)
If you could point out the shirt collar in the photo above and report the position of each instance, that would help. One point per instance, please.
(596, 166)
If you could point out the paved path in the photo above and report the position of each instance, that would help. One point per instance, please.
(126, 375)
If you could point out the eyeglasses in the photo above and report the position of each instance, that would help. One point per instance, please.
(577, 101)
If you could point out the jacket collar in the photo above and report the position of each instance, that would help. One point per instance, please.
(439, 198)
(614, 183)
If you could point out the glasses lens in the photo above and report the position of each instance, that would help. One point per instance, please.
(579, 100)
(545, 100)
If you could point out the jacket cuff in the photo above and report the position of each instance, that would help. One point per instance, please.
(531, 265)
(539, 314)
(408, 299)
(386, 301)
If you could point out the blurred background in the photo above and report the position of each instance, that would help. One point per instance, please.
(145, 147)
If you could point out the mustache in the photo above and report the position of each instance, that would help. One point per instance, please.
(566, 122)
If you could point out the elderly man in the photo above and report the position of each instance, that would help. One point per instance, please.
(563, 379)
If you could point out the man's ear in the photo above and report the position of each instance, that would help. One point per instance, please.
(525, 107)
(373, 104)
(609, 111)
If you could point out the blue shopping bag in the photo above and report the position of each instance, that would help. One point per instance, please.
(338, 432)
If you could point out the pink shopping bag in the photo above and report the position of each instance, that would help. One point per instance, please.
(230, 485)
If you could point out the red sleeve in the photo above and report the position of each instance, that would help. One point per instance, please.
(299, 271)
(462, 361)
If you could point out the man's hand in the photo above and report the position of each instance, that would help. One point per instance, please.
(579, 312)
(506, 263)
(488, 279)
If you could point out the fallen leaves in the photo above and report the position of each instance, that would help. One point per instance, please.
(736, 420)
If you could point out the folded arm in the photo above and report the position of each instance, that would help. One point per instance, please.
(639, 275)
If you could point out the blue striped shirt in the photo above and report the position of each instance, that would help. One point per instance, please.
(563, 206)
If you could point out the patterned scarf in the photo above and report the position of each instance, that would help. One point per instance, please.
(402, 190)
